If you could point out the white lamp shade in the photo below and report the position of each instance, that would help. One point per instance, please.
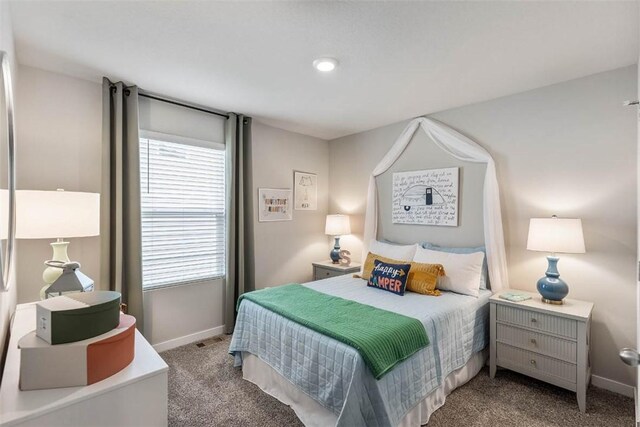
(56, 214)
(556, 235)
(337, 225)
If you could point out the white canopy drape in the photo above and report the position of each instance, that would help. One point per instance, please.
(462, 148)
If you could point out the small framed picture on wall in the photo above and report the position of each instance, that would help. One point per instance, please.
(274, 204)
(306, 191)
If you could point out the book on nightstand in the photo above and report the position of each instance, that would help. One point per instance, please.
(515, 296)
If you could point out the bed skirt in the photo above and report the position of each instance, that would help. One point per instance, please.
(312, 414)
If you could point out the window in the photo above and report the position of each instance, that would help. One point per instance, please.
(183, 211)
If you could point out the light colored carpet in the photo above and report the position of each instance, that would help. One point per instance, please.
(205, 390)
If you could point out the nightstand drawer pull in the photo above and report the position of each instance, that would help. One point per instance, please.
(533, 362)
(537, 321)
(534, 342)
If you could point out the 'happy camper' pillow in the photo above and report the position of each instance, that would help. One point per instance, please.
(389, 277)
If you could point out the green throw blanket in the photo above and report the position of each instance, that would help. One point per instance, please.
(383, 338)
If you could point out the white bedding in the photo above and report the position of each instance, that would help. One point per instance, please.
(334, 374)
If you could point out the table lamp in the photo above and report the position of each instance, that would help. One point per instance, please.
(56, 215)
(555, 235)
(336, 226)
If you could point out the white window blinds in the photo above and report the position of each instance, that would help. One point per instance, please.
(183, 212)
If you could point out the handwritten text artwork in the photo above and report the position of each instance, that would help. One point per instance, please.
(427, 197)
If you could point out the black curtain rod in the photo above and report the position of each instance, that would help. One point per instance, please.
(169, 101)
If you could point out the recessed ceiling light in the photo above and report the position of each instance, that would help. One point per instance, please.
(325, 64)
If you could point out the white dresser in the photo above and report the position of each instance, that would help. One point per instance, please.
(544, 341)
(135, 396)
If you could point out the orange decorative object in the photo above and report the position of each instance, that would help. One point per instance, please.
(109, 356)
(85, 362)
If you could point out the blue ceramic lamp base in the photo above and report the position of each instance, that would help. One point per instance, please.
(552, 288)
(335, 253)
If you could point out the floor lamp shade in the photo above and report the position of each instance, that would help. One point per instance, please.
(555, 235)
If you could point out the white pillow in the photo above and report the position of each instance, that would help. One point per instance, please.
(399, 252)
(463, 271)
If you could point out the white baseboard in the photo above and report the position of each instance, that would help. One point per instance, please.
(614, 386)
(188, 339)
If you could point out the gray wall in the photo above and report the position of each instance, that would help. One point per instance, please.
(568, 149)
(285, 250)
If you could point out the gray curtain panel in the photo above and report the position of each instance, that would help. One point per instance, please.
(240, 265)
(120, 228)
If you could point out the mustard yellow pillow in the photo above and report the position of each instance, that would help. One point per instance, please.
(368, 264)
(423, 278)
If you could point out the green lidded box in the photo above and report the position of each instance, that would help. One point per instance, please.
(77, 316)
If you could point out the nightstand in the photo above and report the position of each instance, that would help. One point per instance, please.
(326, 269)
(544, 341)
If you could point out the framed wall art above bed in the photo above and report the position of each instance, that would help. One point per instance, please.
(426, 197)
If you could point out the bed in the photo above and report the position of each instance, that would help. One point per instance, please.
(327, 382)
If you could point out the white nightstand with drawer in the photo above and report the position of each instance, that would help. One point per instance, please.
(326, 269)
(544, 341)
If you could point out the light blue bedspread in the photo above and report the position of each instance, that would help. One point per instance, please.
(335, 375)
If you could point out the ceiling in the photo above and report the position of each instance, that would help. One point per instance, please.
(397, 59)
